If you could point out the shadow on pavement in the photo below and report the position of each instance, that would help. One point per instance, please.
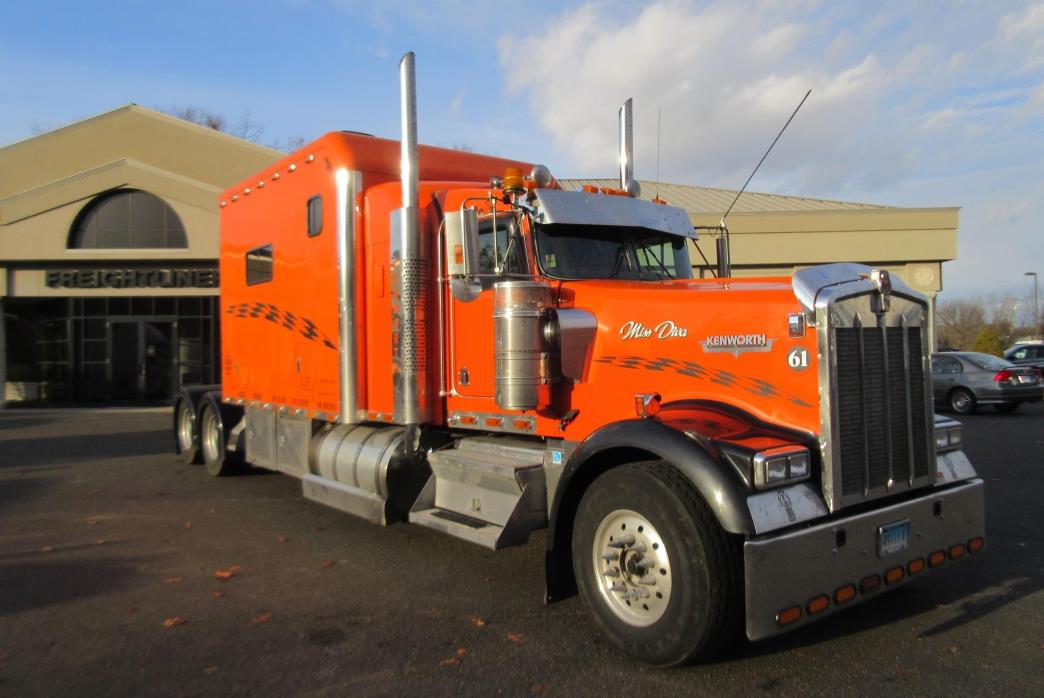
(44, 582)
(21, 453)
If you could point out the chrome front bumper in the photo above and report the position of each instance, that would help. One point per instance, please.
(793, 569)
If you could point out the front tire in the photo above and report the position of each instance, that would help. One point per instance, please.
(962, 401)
(654, 568)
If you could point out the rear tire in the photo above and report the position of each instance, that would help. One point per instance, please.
(216, 457)
(1007, 407)
(185, 433)
(673, 591)
(962, 401)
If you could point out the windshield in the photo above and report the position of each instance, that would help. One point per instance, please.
(611, 252)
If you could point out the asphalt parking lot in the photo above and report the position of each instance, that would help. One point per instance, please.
(126, 572)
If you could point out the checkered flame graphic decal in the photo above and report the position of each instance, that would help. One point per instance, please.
(692, 369)
(288, 320)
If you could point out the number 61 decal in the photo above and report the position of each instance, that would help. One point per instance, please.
(797, 358)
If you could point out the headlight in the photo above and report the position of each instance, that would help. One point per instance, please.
(776, 466)
(948, 438)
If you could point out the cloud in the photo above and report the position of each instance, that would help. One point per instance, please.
(920, 105)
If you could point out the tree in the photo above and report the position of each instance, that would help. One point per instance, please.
(246, 128)
(987, 342)
(958, 323)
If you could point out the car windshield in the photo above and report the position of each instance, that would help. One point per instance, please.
(987, 361)
(611, 252)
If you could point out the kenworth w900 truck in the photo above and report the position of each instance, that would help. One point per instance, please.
(452, 340)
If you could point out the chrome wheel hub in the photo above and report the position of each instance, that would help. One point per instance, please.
(632, 567)
(185, 427)
(210, 438)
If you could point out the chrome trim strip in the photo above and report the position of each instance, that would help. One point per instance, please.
(347, 184)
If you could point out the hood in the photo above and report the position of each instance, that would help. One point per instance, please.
(719, 341)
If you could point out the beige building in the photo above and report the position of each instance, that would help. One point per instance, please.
(109, 240)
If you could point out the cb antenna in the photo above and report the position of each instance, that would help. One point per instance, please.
(722, 243)
(744, 187)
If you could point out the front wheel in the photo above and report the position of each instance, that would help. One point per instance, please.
(653, 567)
(962, 401)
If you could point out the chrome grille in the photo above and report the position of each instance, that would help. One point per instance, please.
(882, 425)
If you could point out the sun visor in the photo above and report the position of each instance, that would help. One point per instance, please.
(555, 206)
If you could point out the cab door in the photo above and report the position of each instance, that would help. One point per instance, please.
(471, 314)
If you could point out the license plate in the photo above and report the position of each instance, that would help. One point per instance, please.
(892, 538)
(1027, 379)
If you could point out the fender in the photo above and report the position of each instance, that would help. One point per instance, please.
(614, 444)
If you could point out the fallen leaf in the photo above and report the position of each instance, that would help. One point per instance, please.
(100, 541)
(449, 662)
(46, 549)
(210, 669)
(282, 539)
(174, 620)
(461, 652)
(326, 563)
(225, 575)
(263, 618)
(173, 580)
(217, 594)
(953, 649)
(538, 688)
(479, 622)
(188, 524)
(515, 637)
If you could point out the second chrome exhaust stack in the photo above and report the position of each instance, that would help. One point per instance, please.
(627, 181)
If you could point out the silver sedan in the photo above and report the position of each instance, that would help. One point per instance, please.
(963, 380)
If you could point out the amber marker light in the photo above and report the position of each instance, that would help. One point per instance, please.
(976, 544)
(915, 566)
(893, 575)
(789, 615)
(494, 422)
(845, 594)
(513, 180)
(468, 420)
(956, 551)
(818, 604)
(936, 558)
(521, 424)
(870, 584)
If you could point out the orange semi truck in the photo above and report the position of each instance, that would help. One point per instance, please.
(452, 340)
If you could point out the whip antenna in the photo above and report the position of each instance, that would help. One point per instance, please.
(744, 188)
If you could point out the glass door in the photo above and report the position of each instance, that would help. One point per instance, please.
(141, 360)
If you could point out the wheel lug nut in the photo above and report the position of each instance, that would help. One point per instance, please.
(623, 541)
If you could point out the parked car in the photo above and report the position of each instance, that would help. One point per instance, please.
(963, 380)
(1026, 354)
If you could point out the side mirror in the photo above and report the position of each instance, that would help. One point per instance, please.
(462, 242)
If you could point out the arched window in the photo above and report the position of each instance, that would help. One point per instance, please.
(127, 218)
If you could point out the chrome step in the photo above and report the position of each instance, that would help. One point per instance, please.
(497, 482)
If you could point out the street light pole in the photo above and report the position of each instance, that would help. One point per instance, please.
(1036, 309)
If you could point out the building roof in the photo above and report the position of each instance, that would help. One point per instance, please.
(715, 201)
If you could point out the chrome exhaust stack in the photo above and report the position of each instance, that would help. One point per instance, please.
(627, 180)
(409, 277)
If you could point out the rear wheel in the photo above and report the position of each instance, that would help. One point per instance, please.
(185, 432)
(1007, 407)
(654, 569)
(212, 443)
(962, 401)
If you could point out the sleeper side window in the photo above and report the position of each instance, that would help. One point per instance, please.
(315, 215)
(259, 265)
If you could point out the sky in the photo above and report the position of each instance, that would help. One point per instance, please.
(913, 104)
